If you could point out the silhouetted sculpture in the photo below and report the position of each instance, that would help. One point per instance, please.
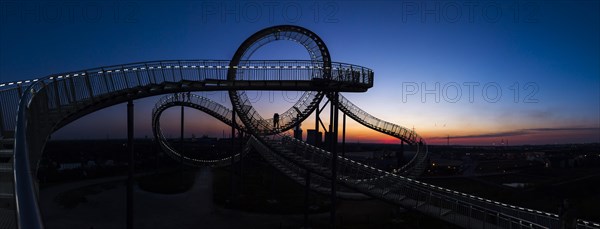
(276, 121)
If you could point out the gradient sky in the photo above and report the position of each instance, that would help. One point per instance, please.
(533, 66)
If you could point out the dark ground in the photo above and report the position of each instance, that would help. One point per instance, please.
(548, 186)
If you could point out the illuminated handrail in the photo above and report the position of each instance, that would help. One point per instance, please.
(110, 78)
(395, 188)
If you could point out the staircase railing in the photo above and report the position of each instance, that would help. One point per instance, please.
(413, 167)
(460, 208)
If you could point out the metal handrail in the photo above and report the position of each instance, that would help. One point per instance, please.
(153, 72)
(28, 211)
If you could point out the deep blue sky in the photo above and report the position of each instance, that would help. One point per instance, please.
(547, 52)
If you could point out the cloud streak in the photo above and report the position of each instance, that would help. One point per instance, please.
(521, 132)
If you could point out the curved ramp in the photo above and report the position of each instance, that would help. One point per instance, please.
(222, 113)
(203, 104)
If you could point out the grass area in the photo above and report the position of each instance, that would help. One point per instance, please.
(367, 214)
(264, 190)
(544, 195)
(74, 197)
(262, 183)
(169, 182)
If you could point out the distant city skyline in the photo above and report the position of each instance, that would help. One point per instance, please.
(481, 73)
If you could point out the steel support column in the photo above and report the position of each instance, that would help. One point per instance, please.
(182, 148)
(316, 126)
(131, 164)
(306, 198)
(232, 148)
(241, 166)
(344, 135)
(333, 147)
(400, 154)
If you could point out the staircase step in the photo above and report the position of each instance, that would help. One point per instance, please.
(6, 141)
(6, 188)
(6, 167)
(8, 218)
(6, 152)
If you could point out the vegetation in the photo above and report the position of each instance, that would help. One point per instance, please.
(170, 182)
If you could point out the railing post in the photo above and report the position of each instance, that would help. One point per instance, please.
(19, 90)
(66, 90)
(105, 80)
(173, 73)
(497, 218)
(440, 205)
(470, 214)
(180, 72)
(137, 75)
(56, 94)
(88, 85)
